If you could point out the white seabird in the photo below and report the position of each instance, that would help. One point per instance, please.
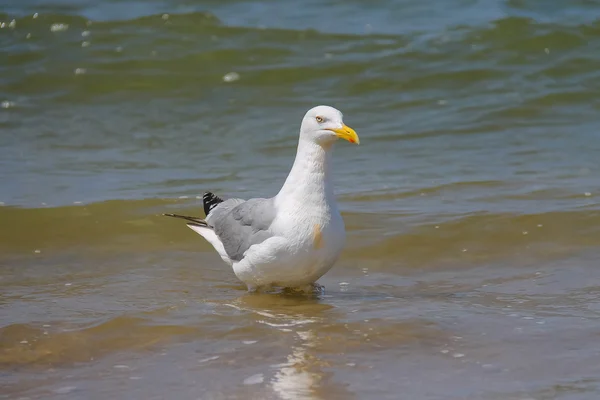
(294, 238)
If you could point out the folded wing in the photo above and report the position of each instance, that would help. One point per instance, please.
(241, 224)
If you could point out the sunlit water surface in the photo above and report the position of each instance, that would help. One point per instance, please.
(471, 269)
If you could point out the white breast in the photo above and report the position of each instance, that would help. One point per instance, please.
(305, 247)
(308, 230)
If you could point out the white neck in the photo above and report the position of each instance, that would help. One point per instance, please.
(309, 181)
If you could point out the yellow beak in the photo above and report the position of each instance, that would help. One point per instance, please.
(347, 133)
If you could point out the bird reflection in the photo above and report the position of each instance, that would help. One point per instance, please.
(301, 375)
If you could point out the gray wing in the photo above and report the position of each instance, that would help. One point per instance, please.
(240, 224)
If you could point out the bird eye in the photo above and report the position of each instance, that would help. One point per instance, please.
(319, 119)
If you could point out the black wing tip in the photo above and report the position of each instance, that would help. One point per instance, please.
(210, 201)
(193, 220)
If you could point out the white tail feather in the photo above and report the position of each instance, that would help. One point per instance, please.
(212, 238)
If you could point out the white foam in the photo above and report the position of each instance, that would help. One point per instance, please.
(207, 359)
(231, 77)
(254, 379)
(64, 389)
(58, 27)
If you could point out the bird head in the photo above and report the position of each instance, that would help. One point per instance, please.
(324, 125)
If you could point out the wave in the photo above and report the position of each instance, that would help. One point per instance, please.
(199, 45)
(34, 346)
(134, 226)
(475, 99)
(512, 73)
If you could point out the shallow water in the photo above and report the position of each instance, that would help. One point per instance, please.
(471, 204)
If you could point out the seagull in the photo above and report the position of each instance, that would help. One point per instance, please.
(292, 239)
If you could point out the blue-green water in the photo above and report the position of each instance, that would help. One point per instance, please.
(471, 203)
